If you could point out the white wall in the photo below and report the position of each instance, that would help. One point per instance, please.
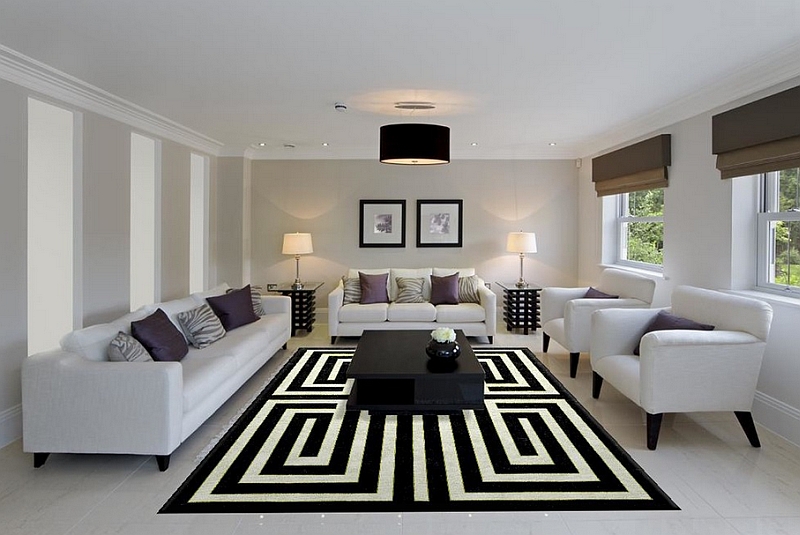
(322, 197)
(709, 241)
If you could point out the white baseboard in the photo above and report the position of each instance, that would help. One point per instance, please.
(777, 416)
(10, 425)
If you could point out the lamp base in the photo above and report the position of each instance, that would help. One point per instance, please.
(521, 284)
(297, 285)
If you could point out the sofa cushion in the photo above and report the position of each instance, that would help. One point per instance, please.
(411, 312)
(234, 309)
(174, 307)
(200, 297)
(90, 342)
(160, 337)
(461, 313)
(125, 348)
(468, 289)
(462, 272)
(201, 325)
(594, 293)
(124, 323)
(355, 313)
(203, 374)
(409, 290)
(664, 321)
(373, 288)
(352, 290)
(412, 273)
(444, 290)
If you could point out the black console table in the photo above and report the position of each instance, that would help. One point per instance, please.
(304, 304)
(521, 306)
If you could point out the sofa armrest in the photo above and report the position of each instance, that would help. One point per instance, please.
(74, 405)
(489, 303)
(554, 299)
(335, 302)
(276, 304)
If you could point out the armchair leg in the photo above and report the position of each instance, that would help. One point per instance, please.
(597, 384)
(545, 342)
(491, 339)
(333, 340)
(39, 459)
(749, 426)
(163, 462)
(573, 364)
(653, 428)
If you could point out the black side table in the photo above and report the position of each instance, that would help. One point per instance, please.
(304, 304)
(521, 306)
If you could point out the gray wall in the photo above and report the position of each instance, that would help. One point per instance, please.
(13, 270)
(230, 191)
(322, 197)
(175, 183)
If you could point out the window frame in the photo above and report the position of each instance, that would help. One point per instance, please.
(623, 218)
(767, 214)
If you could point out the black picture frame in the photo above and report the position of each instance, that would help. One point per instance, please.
(440, 223)
(382, 223)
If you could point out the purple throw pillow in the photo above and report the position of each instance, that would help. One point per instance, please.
(160, 337)
(664, 321)
(234, 309)
(593, 293)
(373, 288)
(444, 290)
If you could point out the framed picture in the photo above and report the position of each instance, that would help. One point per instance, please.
(382, 224)
(439, 223)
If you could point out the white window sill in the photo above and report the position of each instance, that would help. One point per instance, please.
(771, 298)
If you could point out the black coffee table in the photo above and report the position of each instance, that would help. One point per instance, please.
(392, 373)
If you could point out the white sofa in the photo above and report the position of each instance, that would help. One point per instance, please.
(352, 319)
(684, 370)
(76, 401)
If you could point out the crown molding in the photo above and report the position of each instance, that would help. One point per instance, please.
(763, 74)
(36, 76)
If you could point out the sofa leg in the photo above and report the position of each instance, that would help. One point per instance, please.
(39, 459)
(545, 342)
(597, 384)
(491, 339)
(333, 340)
(653, 428)
(163, 462)
(749, 426)
(285, 345)
(573, 364)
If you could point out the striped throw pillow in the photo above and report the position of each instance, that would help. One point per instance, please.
(352, 290)
(255, 297)
(202, 326)
(126, 348)
(409, 290)
(468, 289)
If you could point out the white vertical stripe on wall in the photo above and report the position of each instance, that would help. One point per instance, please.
(198, 223)
(144, 172)
(51, 181)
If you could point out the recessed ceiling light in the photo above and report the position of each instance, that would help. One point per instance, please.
(473, 144)
(552, 144)
(262, 144)
(414, 105)
(325, 144)
(289, 145)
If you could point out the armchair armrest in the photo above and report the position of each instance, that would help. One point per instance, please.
(335, 302)
(578, 317)
(489, 304)
(554, 299)
(616, 331)
(74, 405)
(276, 304)
(723, 370)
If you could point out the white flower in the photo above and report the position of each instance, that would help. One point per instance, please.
(443, 334)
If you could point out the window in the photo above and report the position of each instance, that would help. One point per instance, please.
(640, 228)
(779, 232)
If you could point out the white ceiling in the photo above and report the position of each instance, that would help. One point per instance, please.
(509, 75)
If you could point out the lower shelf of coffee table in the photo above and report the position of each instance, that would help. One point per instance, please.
(415, 395)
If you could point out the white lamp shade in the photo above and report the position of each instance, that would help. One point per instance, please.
(297, 243)
(521, 242)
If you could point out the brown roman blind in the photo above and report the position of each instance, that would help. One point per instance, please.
(633, 168)
(758, 137)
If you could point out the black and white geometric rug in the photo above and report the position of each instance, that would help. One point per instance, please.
(533, 448)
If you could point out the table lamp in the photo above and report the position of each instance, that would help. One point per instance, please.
(297, 243)
(521, 242)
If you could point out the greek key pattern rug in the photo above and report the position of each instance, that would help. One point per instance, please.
(534, 448)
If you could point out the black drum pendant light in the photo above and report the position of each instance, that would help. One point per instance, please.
(415, 144)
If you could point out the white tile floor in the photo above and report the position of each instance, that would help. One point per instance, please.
(703, 461)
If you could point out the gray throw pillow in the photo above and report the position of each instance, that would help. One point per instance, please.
(594, 293)
(352, 290)
(409, 290)
(126, 348)
(468, 289)
(664, 321)
(201, 325)
(444, 290)
(373, 288)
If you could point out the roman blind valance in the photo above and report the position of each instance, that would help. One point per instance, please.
(633, 168)
(758, 137)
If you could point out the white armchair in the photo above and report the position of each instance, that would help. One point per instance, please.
(566, 316)
(684, 370)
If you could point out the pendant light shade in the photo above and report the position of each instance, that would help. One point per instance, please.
(415, 144)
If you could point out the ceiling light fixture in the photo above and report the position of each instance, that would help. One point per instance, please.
(415, 144)
(414, 105)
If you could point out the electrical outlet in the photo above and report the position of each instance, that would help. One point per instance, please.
(271, 286)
